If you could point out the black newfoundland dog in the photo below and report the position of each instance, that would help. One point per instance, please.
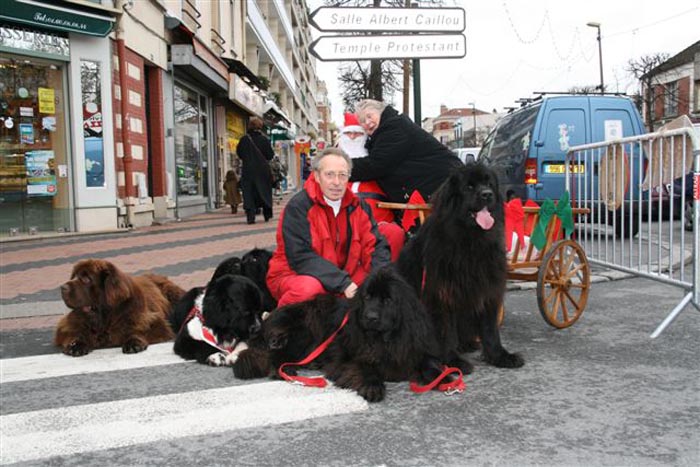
(457, 262)
(254, 265)
(289, 334)
(213, 323)
(388, 337)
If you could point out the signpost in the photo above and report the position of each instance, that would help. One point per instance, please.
(335, 48)
(435, 33)
(363, 19)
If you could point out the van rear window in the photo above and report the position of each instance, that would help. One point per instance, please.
(511, 137)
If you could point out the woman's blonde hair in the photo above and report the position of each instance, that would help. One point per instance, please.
(369, 104)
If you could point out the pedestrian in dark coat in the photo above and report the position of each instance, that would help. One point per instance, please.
(232, 195)
(403, 157)
(255, 152)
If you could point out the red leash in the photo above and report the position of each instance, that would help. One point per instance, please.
(448, 388)
(315, 381)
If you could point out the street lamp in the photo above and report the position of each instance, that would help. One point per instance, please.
(474, 115)
(593, 24)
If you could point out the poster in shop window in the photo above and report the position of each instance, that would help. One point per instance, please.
(41, 173)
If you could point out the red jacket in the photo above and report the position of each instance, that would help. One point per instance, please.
(336, 250)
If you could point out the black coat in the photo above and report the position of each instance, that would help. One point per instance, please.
(256, 184)
(404, 157)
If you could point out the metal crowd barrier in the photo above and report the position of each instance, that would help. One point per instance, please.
(636, 189)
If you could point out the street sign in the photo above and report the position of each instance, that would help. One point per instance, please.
(412, 46)
(361, 19)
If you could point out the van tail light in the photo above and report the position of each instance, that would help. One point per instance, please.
(530, 171)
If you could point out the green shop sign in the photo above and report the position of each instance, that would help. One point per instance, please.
(36, 13)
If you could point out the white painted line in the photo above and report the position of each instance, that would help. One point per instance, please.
(41, 434)
(49, 366)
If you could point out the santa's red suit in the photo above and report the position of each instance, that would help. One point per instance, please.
(352, 142)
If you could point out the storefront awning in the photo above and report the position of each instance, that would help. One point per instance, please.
(239, 68)
(276, 115)
(50, 16)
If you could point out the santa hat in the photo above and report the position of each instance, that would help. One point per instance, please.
(352, 124)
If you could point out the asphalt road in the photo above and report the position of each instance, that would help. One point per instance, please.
(599, 393)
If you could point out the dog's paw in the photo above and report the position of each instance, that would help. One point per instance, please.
(372, 392)
(217, 359)
(76, 349)
(464, 365)
(251, 363)
(507, 360)
(134, 346)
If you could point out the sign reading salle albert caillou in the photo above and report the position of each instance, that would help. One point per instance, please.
(355, 19)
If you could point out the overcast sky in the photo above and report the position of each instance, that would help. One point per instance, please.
(516, 47)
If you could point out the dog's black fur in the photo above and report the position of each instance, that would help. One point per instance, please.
(389, 337)
(254, 265)
(232, 308)
(230, 265)
(289, 334)
(459, 268)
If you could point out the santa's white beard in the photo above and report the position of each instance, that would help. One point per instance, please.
(353, 147)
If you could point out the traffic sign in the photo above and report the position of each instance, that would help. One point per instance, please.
(371, 47)
(360, 19)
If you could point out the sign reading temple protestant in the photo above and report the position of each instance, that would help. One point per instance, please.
(391, 33)
(334, 48)
(362, 19)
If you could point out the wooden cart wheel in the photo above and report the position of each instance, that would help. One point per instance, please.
(563, 283)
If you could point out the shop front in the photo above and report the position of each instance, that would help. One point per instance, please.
(199, 81)
(42, 140)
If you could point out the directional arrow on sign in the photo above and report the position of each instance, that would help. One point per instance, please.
(413, 46)
(358, 19)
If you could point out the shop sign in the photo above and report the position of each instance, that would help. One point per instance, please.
(55, 17)
(242, 94)
(34, 41)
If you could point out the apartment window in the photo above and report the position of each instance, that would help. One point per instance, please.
(697, 96)
(671, 99)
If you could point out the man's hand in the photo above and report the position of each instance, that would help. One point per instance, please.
(350, 290)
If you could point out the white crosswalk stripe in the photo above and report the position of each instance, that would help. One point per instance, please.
(65, 431)
(49, 366)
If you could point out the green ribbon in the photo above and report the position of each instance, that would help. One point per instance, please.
(562, 210)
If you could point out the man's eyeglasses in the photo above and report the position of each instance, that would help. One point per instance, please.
(330, 175)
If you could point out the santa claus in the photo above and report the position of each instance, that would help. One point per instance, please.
(352, 141)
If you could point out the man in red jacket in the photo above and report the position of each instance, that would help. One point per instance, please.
(327, 241)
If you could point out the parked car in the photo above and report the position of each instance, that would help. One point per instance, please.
(467, 155)
(527, 148)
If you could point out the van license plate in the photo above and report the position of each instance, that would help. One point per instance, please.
(560, 168)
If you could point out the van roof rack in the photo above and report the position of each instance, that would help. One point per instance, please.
(592, 93)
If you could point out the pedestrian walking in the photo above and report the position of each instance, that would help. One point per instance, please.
(255, 152)
(232, 194)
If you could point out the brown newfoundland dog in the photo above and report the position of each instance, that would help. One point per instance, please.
(457, 263)
(110, 308)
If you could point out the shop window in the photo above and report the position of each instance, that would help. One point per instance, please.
(90, 83)
(34, 171)
(190, 142)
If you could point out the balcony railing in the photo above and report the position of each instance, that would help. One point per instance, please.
(191, 15)
(217, 42)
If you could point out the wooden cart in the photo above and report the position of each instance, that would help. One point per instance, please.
(560, 268)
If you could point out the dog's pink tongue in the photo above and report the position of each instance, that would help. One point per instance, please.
(484, 219)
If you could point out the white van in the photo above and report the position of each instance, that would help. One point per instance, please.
(467, 155)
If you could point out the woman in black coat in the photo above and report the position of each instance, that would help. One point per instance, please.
(403, 157)
(255, 152)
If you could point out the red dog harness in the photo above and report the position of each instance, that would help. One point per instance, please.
(197, 329)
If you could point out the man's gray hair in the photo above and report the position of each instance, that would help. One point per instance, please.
(316, 161)
(369, 104)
